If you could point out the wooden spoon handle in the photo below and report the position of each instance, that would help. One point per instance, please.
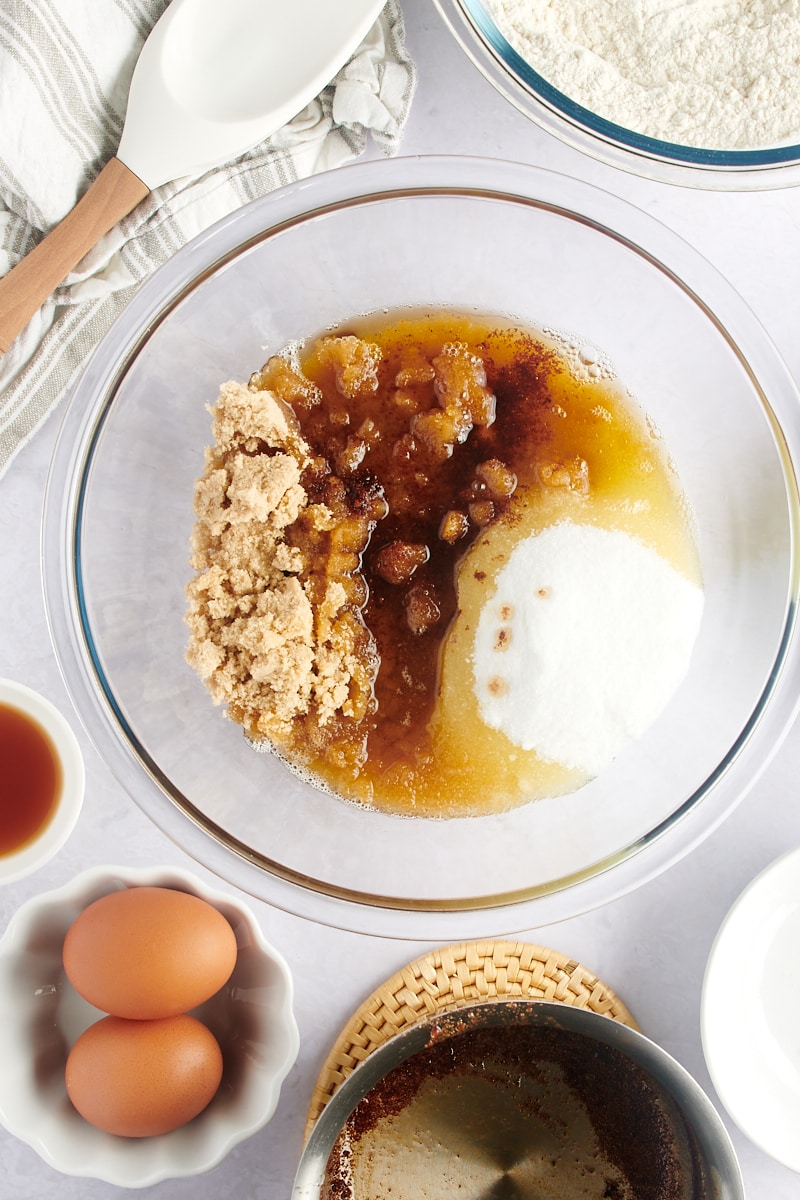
(114, 193)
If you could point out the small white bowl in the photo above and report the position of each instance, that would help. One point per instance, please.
(55, 832)
(41, 1016)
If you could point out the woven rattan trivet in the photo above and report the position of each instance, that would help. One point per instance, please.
(453, 976)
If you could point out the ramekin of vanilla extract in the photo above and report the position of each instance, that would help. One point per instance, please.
(41, 780)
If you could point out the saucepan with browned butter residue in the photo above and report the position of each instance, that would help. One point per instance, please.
(519, 1099)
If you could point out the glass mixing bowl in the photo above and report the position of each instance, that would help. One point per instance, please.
(469, 234)
(472, 24)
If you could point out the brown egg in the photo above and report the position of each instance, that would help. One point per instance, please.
(141, 1078)
(146, 952)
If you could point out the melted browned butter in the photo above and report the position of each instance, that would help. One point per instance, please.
(576, 447)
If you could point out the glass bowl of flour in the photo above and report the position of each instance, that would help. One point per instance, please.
(624, 641)
(699, 94)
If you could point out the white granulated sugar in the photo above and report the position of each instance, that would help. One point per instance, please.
(718, 74)
(583, 643)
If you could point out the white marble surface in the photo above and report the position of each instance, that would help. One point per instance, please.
(650, 946)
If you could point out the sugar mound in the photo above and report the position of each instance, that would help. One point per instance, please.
(586, 638)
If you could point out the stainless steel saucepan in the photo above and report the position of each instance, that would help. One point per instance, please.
(516, 1100)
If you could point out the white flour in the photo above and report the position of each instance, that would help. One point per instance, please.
(585, 640)
(719, 74)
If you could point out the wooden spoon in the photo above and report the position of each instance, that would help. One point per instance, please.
(214, 78)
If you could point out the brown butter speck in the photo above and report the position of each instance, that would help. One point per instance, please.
(502, 638)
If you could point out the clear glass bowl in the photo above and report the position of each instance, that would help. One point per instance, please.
(468, 234)
(475, 30)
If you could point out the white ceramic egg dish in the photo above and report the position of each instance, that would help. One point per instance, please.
(41, 1016)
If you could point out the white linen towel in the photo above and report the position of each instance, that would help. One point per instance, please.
(65, 68)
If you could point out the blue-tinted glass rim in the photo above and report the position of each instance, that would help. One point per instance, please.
(541, 90)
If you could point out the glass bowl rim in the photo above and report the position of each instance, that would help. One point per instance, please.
(102, 717)
(517, 80)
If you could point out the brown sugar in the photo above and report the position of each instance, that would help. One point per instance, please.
(271, 631)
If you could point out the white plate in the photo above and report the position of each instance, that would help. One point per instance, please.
(749, 1013)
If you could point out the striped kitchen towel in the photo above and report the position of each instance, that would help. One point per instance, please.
(65, 67)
